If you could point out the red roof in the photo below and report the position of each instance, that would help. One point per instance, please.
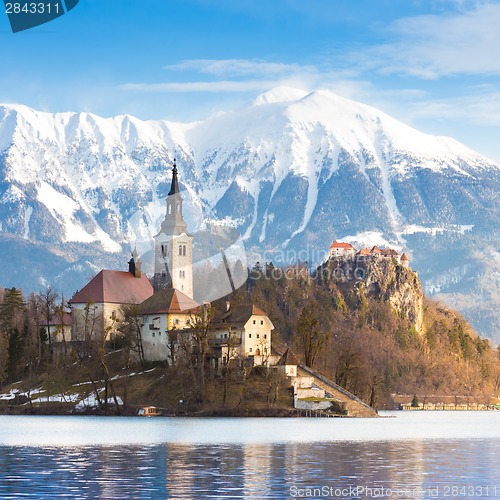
(117, 287)
(167, 301)
(238, 315)
(364, 251)
(404, 257)
(56, 320)
(375, 249)
(341, 244)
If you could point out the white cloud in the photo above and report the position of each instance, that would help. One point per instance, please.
(433, 46)
(477, 109)
(220, 86)
(242, 75)
(239, 67)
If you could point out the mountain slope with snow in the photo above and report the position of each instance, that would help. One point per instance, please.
(291, 171)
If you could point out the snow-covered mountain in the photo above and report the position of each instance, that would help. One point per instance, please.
(291, 171)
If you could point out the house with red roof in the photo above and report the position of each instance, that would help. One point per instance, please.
(341, 249)
(166, 321)
(364, 253)
(97, 307)
(243, 331)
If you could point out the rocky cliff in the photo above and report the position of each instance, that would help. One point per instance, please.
(378, 278)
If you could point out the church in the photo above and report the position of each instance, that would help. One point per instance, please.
(165, 303)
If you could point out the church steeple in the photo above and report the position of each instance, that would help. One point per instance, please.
(173, 245)
(174, 222)
(174, 187)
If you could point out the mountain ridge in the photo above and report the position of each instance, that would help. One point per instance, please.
(291, 171)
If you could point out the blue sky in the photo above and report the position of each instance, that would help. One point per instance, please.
(432, 64)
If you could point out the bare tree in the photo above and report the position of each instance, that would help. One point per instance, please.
(48, 299)
(196, 347)
(311, 337)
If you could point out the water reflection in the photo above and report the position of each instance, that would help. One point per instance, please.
(411, 468)
(247, 471)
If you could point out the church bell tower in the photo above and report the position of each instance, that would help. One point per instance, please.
(174, 246)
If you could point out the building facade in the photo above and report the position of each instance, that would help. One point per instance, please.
(174, 246)
(97, 308)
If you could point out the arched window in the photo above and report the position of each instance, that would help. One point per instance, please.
(180, 249)
(169, 209)
(178, 208)
(183, 249)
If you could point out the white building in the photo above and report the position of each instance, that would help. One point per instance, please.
(341, 249)
(165, 316)
(174, 246)
(242, 331)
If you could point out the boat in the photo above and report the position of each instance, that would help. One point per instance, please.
(148, 411)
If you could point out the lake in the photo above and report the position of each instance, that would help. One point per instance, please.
(406, 455)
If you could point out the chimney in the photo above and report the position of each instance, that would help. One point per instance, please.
(134, 264)
(131, 266)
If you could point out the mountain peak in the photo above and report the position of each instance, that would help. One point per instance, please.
(280, 94)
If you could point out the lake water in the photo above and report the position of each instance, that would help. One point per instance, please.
(407, 455)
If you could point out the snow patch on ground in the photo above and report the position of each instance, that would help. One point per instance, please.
(91, 402)
(369, 239)
(414, 228)
(27, 216)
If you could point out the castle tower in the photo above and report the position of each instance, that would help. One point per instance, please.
(174, 246)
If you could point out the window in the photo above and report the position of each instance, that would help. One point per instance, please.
(184, 250)
(265, 335)
(169, 209)
(177, 321)
(258, 336)
(249, 335)
(250, 350)
(153, 334)
(254, 322)
(180, 249)
(261, 321)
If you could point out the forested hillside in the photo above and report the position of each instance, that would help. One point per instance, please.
(358, 339)
(364, 335)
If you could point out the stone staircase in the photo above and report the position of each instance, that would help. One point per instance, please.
(354, 406)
